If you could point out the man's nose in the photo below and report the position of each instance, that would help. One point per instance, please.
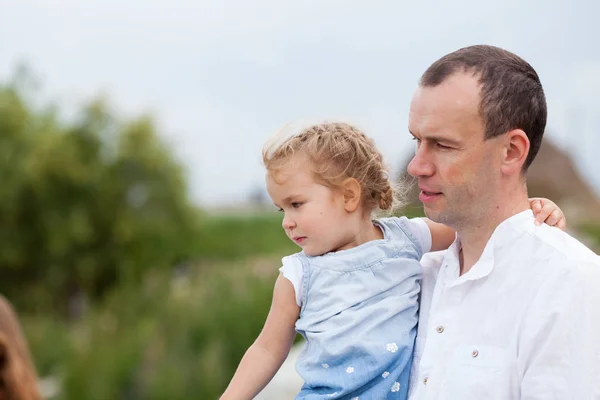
(421, 164)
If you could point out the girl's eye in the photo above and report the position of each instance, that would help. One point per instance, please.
(296, 205)
(280, 209)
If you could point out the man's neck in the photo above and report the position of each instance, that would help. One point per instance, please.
(473, 243)
(475, 235)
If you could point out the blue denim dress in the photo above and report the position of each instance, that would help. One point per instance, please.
(359, 316)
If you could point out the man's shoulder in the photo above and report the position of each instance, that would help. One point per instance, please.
(550, 253)
(553, 244)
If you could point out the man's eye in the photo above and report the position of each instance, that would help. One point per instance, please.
(441, 146)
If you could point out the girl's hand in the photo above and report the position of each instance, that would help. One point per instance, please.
(546, 211)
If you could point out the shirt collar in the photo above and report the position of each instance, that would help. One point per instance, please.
(484, 266)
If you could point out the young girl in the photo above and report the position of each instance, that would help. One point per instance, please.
(18, 378)
(352, 292)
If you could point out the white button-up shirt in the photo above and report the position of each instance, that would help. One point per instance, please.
(523, 323)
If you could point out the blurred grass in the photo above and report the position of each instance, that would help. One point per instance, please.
(175, 337)
(181, 334)
(231, 237)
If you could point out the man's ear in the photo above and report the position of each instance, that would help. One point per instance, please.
(352, 193)
(515, 151)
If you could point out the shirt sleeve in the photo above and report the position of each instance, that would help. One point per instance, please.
(419, 231)
(292, 271)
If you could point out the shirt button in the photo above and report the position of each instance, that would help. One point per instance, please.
(475, 353)
(440, 329)
(425, 381)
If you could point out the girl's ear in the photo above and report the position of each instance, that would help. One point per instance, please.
(352, 193)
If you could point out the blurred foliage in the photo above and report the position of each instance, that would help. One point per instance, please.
(84, 204)
(593, 234)
(97, 209)
(172, 337)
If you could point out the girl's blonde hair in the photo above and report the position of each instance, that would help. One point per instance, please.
(337, 151)
(18, 377)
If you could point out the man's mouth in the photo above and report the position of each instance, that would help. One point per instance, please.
(427, 196)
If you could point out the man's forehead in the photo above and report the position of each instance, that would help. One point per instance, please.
(458, 92)
(449, 104)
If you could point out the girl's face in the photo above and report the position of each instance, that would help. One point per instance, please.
(314, 215)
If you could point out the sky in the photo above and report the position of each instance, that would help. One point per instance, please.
(222, 76)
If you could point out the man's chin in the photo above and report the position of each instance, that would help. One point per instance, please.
(433, 214)
(429, 212)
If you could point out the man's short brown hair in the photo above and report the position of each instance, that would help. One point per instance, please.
(512, 96)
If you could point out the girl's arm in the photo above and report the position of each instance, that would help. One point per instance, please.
(264, 358)
(544, 210)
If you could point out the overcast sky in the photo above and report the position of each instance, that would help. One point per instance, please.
(222, 76)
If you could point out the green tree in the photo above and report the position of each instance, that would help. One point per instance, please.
(85, 204)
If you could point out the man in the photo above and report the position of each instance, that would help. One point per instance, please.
(507, 312)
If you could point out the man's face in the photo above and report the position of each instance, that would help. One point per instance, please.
(458, 171)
